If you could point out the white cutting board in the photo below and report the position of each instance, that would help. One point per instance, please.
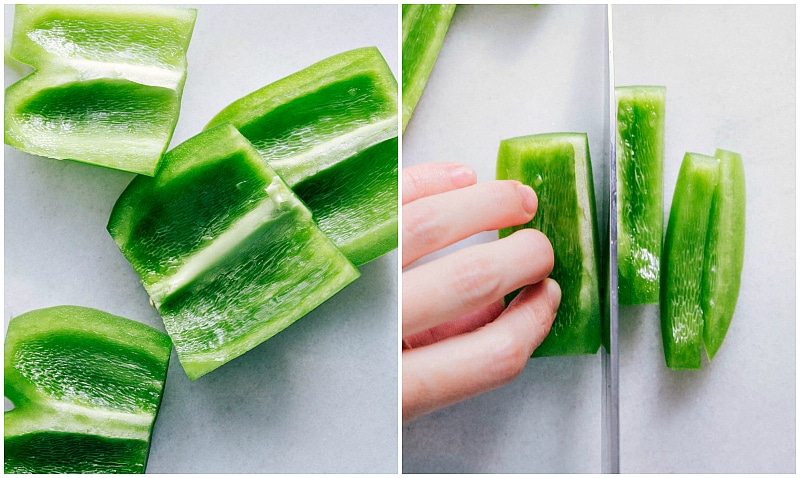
(320, 396)
(507, 71)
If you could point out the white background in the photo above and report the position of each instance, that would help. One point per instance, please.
(320, 396)
(506, 71)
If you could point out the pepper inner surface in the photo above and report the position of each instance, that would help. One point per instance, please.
(346, 202)
(639, 126)
(118, 40)
(58, 452)
(422, 23)
(173, 222)
(98, 106)
(558, 218)
(253, 292)
(89, 371)
(316, 117)
(684, 255)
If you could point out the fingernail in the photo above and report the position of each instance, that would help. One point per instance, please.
(463, 176)
(529, 201)
(553, 294)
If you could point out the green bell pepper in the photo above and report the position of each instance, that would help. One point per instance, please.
(558, 167)
(684, 256)
(703, 257)
(107, 84)
(86, 387)
(330, 131)
(724, 251)
(424, 29)
(640, 164)
(228, 254)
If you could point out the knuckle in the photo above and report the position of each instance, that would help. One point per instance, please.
(545, 248)
(476, 281)
(508, 356)
(420, 226)
(539, 319)
(413, 185)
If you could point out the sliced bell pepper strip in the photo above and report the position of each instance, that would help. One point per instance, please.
(558, 167)
(683, 261)
(86, 387)
(107, 84)
(424, 29)
(724, 258)
(228, 254)
(640, 165)
(330, 131)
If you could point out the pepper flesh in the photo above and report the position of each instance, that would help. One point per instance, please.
(86, 387)
(424, 29)
(330, 131)
(558, 167)
(640, 164)
(228, 254)
(683, 261)
(724, 251)
(107, 84)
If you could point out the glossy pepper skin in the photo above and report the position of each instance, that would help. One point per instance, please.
(424, 29)
(724, 258)
(86, 387)
(683, 261)
(228, 254)
(640, 170)
(107, 84)
(558, 167)
(330, 131)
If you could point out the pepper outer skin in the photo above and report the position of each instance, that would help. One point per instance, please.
(724, 251)
(106, 86)
(558, 167)
(683, 261)
(86, 387)
(424, 29)
(330, 131)
(228, 254)
(640, 170)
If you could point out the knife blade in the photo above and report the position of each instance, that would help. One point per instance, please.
(610, 355)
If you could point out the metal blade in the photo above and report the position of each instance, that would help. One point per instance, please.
(610, 356)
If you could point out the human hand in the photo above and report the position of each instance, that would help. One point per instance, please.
(458, 340)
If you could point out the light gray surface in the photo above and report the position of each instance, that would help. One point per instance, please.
(730, 77)
(321, 396)
(506, 71)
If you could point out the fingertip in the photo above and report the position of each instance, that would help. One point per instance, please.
(529, 200)
(553, 294)
(463, 176)
(545, 250)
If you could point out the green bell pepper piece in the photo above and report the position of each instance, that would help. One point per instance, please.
(228, 254)
(640, 165)
(424, 29)
(724, 258)
(683, 261)
(330, 131)
(86, 387)
(558, 167)
(107, 84)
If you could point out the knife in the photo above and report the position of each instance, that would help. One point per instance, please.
(609, 428)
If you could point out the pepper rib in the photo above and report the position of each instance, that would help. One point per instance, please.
(201, 261)
(298, 167)
(53, 416)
